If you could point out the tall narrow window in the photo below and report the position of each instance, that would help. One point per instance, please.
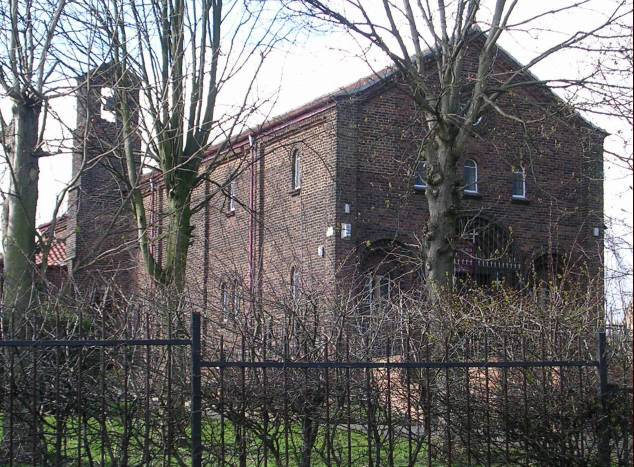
(232, 196)
(470, 176)
(376, 288)
(224, 297)
(294, 283)
(384, 287)
(368, 289)
(236, 298)
(519, 183)
(419, 177)
(297, 170)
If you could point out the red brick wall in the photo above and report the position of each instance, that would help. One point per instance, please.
(362, 152)
(562, 157)
(288, 225)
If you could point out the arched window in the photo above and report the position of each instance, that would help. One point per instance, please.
(549, 269)
(470, 176)
(485, 252)
(297, 170)
(419, 176)
(519, 183)
(294, 283)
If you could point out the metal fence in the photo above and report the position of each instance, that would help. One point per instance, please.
(471, 398)
(484, 397)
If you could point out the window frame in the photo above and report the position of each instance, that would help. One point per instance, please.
(470, 188)
(237, 298)
(377, 289)
(383, 285)
(517, 171)
(368, 289)
(421, 167)
(224, 298)
(294, 283)
(232, 196)
(296, 170)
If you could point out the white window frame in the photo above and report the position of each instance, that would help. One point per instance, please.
(297, 170)
(232, 196)
(464, 105)
(472, 187)
(421, 166)
(516, 171)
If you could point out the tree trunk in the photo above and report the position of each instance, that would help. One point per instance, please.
(310, 427)
(19, 243)
(440, 231)
(19, 248)
(178, 236)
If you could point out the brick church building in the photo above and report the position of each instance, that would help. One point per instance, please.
(332, 195)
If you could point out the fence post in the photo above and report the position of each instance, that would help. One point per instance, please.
(196, 450)
(604, 416)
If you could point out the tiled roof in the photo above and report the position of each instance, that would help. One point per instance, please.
(57, 253)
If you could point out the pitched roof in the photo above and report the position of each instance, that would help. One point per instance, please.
(57, 253)
(329, 100)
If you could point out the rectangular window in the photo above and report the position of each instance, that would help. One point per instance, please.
(368, 295)
(236, 299)
(232, 196)
(384, 286)
(519, 183)
(297, 171)
(225, 299)
(294, 283)
(470, 176)
(419, 176)
(376, 289)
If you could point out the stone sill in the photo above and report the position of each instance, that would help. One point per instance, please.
(518, 200)
(471, 195)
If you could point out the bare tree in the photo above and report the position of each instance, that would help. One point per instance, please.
(27, 67)
(606, 95)
(29, 78)
(183, 54)
(430, 47)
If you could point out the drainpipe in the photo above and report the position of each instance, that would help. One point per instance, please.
(251, 213)
(152, 232)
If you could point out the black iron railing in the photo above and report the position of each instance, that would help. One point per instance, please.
(473, 398)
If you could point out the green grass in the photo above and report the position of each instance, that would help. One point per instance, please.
(86, 439)
(288, 439)
(112, 449)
